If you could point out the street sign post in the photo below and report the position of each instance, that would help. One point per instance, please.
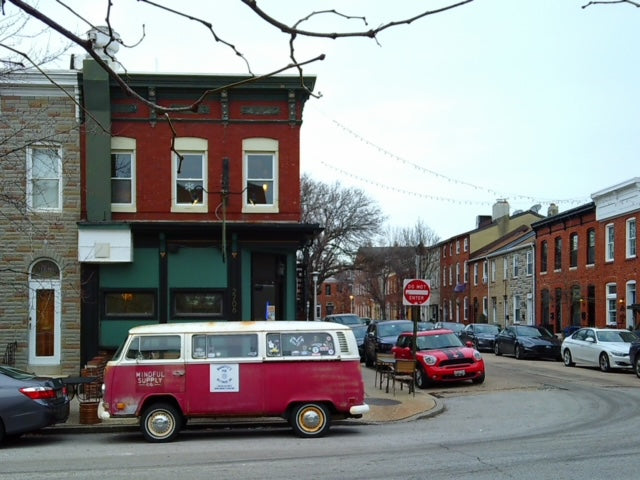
(416, 292)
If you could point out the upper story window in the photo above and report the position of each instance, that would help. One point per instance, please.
(557, 259)
(44, 178)
(457, 273)
(327, 290)
(544, 255)
(493, 270)
(189, 174)
(457, 246)
(631, 238)
(529, 263)
(610, 235)
(573, 250)
(444, 252)
(591, 247)
(475, 274)
(123, 171)
(466, 272)
(516, 266)
(505, 268)
(260, 175)
(466, 244)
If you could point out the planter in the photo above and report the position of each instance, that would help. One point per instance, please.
(89, 413)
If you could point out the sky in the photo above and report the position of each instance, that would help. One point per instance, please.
(532, 101)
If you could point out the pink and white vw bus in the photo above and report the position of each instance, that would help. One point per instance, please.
(306, 372)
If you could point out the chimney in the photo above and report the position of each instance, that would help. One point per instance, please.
(552, 210)
(104, 45)
(500, 209)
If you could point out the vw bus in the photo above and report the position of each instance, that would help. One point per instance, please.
(308, 373)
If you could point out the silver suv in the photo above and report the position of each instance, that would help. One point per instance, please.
(349, 319)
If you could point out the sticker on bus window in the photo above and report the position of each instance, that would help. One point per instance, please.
(224, 377)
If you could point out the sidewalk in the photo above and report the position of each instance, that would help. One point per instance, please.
(384, 407)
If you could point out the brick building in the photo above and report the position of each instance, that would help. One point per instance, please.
(196, 218)
(587, 264)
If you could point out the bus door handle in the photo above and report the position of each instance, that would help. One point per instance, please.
(178, 373)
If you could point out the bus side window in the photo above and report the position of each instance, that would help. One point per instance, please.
(273, 345)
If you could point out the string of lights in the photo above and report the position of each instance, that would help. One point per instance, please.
(478, 188)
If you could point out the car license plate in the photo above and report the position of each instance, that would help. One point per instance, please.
(460, 373)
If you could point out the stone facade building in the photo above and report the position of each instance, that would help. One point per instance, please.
(40, 207)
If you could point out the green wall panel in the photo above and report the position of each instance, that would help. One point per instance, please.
(143, 272)
(114, 332)
(197, 268)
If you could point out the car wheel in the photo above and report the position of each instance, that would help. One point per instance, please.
(478, 380)
(496, 349)
(161, 422)
(422, 380)
(568, 361)
(519, 352)
(604, 362)
(636, 367)
(310, 420)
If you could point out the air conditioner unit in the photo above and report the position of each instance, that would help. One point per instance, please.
(484, 279)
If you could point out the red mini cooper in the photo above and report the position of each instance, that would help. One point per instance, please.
(441, 357)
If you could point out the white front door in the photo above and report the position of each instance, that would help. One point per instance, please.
(44, 314)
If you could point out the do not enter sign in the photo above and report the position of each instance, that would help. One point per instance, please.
(416, 292)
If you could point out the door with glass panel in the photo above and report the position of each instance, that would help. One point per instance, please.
(44, 313)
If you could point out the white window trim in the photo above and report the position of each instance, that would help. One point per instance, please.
(628, 238)
(257, 146)
(516, 266)
(196, 146)
(30, 206)
(611, 297)
(609, 250)
(126, 145)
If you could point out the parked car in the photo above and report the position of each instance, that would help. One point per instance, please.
(606, 348)
(440, 357)
(382, 336)
(29, 403)
(482, 335)
(349, 319)
(527, 341)
(634, 353)
(455, 327)
(360, 331)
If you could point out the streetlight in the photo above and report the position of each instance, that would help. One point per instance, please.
(314, 275)
(351, 298)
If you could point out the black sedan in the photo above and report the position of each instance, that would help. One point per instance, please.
(382, 336)
(482, 335)
(530, 341)
(634, 354)
(360, 331)
(29, 403)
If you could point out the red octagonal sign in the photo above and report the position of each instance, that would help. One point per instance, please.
(416, 292)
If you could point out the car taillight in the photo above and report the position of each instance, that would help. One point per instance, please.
(39, 393)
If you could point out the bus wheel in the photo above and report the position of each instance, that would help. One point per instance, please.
(310, 420)
(160, 422)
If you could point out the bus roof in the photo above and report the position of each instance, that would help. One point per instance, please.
(233, 326)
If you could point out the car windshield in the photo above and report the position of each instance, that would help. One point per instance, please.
(456, 327)
(15, 373)
(435, 342)
(359, 331)
(486, 329)
(614, 336)
(394, 328)
(532, 332)
(348, 320)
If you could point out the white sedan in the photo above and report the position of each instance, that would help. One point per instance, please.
(606, 348)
